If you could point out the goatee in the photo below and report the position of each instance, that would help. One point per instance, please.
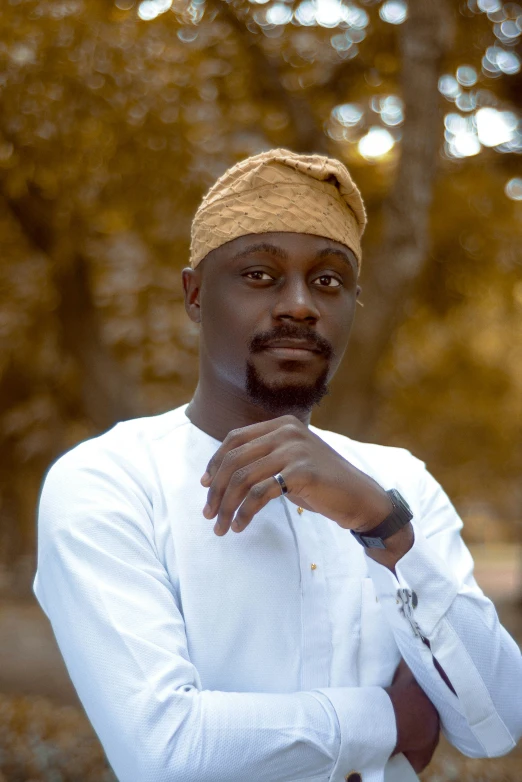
(289, 398)
(285, 399)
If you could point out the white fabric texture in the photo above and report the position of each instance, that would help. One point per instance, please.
(226, 659)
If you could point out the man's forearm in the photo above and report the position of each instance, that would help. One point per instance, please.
(450, 637)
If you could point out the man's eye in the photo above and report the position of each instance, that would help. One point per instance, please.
(327, 281)
(258, 275)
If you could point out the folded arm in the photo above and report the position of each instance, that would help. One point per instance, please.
(441, 620)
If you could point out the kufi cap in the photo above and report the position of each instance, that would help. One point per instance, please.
(280, 191)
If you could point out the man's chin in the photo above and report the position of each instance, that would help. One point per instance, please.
(284, 398)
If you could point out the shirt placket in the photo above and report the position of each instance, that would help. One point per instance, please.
(316, 633)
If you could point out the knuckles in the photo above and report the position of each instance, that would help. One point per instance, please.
(239, 476)
(234, 438)
(230, 458)
(292, 428)
(258, 491)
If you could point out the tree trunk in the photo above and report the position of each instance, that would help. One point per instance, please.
(389, 273)
(108, 395)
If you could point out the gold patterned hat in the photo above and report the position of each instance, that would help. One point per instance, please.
(280, 191)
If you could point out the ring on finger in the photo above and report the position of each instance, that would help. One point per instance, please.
(281, 481)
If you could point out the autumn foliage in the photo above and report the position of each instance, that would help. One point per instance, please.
(115, 118)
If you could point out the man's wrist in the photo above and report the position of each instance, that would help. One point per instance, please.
(376, 515)
(398, 516)
(389, 537)
(375, 511)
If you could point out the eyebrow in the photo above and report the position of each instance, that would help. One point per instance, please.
(278, 252)
(347, 257)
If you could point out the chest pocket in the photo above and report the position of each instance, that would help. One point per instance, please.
(379, 655)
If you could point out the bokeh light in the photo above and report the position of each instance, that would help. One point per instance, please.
(376, 143)
(497, 60)
(466, 75)
(489, 6)
(394, 11)
(466, 101)
(391, 110)
(513, 189)
(461, 138)
(150, 9)
(279, 13)
(488, 127)
(329, 13)
(332, 13)
(495, 127)
(348, 114)
(449, 86)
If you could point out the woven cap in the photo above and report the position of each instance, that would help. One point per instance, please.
(280, 191)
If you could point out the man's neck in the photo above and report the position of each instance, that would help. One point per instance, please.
(216, 412)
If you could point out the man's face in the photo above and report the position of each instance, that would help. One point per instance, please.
(276, 311)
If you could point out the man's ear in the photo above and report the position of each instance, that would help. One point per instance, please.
(191, 286)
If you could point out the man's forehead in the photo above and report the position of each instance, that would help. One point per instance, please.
(285, 245)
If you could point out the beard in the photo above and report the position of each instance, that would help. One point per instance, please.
(285, 399)
(291, 397)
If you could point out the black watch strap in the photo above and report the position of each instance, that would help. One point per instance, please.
(396, 520)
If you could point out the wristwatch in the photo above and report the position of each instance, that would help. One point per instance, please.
(396, 520)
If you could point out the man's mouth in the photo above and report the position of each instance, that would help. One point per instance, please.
(292, 348)
(290, 343)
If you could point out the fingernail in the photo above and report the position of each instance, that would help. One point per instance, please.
(236, 526)
(205, 478)
(217, 528)
(207, 511)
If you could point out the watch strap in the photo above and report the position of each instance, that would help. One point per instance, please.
(398, 518)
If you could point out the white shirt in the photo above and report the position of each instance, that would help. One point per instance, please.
(201, 658)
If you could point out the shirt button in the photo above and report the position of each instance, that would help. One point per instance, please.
(313, 566)
(353, 776)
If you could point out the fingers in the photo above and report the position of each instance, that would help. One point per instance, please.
(249, 489)
(247, 434)
(257, 498)
(235, 466)
(240, 474)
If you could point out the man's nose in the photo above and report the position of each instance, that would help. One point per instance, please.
(295, 302)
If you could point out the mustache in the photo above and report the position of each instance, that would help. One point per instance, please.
(289, 331)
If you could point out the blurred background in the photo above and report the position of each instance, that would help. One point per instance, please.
(115, 117)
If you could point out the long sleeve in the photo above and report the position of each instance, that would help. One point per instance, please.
(120, 628)
(436, 610)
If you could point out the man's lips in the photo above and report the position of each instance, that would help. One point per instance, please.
(292, 348)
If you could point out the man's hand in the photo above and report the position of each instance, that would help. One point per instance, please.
(240, 477)
(417, 719)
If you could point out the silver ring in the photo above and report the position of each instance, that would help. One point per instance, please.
(281, 481)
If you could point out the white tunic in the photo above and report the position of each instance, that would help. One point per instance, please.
(201, 658)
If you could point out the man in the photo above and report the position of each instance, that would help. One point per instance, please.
(219, 620)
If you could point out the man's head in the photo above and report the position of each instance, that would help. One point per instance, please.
(275, 258)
